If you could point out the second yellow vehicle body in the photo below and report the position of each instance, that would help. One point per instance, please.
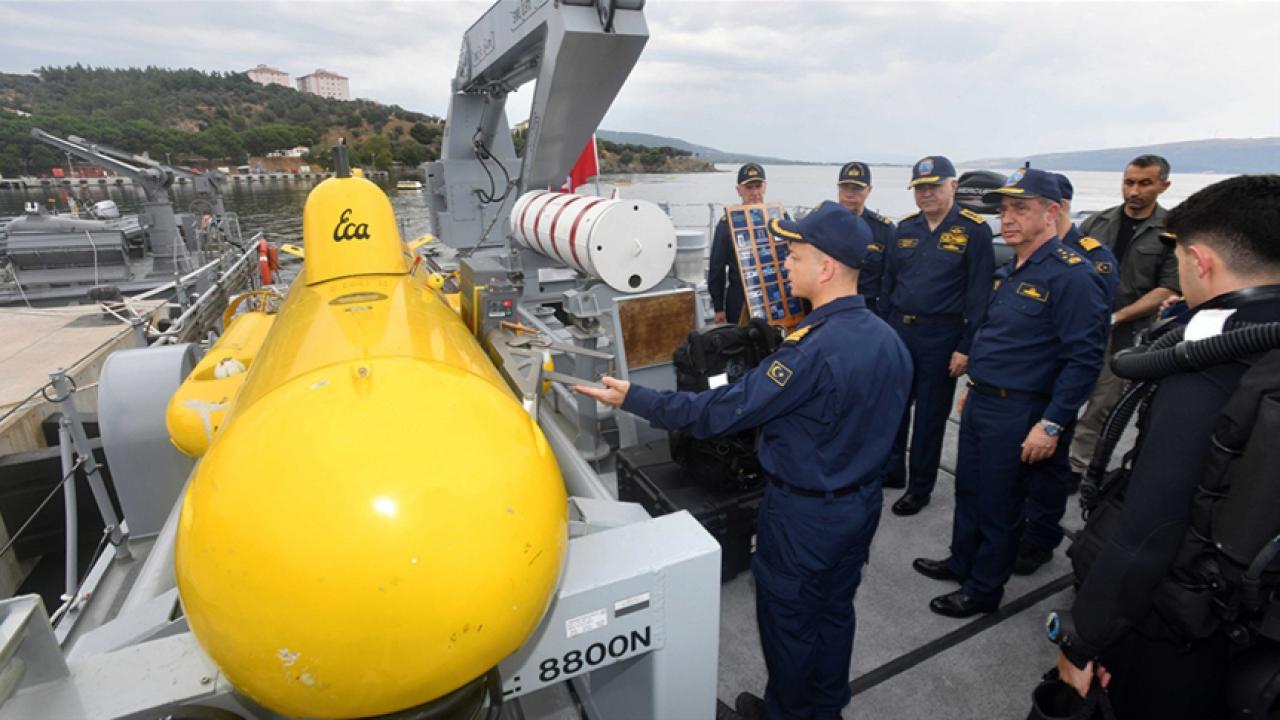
(375, 520)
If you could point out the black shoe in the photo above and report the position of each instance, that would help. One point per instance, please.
(960, 605)
(1030, 559)
(936, 569)
(893, 482)
(910, 504)
(1072, 484)
(750, 707)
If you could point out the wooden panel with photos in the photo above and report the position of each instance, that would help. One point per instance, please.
(760, 263)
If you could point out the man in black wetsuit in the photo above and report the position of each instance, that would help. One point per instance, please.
(1228, 253)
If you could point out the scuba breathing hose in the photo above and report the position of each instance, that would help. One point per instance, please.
(1156, 362)
(1167, 355)
(1112, 430)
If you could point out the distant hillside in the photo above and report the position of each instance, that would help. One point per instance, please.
(1246, 155)
(616, 158)
(196, 118)
(703, 152)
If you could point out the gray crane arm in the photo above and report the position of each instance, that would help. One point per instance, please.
(579, 51)
(153, 180)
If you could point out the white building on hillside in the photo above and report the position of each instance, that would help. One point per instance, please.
(325, 84)
(267, 75)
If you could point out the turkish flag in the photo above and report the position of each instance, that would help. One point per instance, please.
(587, 167)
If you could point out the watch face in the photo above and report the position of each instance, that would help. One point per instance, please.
(1051, 626)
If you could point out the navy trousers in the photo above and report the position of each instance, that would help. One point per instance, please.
(932, 393)
(991, 490)
(809, 557)
(1047, 496)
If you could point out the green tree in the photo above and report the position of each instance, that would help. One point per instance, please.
(375, 151)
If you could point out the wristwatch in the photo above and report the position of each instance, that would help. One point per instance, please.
(1051, 428)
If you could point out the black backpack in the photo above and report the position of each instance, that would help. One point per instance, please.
(730, 350)
(1227, 572)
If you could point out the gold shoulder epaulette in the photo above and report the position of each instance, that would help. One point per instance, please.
(911, 215)
(1068, 257)
(966, 212)
(1089, 243)
(798, 334)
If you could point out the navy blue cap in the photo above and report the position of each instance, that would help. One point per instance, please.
(855, 173)
(931, 171)
(749, 173)
(1064, 186)
(830, 228)
(1027, 183)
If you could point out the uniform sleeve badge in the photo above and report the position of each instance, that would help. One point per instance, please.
(1103, 268)
(1033, 292)
(780, 374)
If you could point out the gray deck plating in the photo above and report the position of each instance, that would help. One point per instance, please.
(907, 662)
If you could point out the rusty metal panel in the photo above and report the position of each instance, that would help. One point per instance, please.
(653, 326)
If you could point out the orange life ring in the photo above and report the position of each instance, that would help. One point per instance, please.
(264, 261)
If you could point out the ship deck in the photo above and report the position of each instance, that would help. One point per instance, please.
(907, 662)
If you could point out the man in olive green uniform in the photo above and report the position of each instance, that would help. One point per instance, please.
(1148, 277)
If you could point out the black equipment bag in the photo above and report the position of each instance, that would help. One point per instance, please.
(1227, 574)
(731, 351)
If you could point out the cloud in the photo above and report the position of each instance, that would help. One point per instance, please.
(808, 80)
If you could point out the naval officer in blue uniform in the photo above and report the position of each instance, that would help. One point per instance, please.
(724, 281)
(827, 403)
(1035, 357)
(853, 187)
(936, 281)
(1051, 482)
(1099, 255)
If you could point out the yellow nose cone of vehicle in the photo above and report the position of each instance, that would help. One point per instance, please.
(349, 228)
(378, 521)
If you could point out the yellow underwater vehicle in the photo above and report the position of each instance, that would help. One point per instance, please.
(375, 495)
(375, 520)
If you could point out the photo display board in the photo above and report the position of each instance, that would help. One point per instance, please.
(760, 262)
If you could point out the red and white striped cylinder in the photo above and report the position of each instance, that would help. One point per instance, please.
(629, 244)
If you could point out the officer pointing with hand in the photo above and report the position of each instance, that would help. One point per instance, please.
(827, 404)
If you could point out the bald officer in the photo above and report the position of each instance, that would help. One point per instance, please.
(936, 281)
(853, 186)
(827, 403)
(724, 282)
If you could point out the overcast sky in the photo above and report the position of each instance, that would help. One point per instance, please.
(797, 79)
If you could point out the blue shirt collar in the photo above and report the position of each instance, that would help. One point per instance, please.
(1045, 250)
(848, 302)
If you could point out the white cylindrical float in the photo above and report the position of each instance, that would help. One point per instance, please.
(629, 244)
